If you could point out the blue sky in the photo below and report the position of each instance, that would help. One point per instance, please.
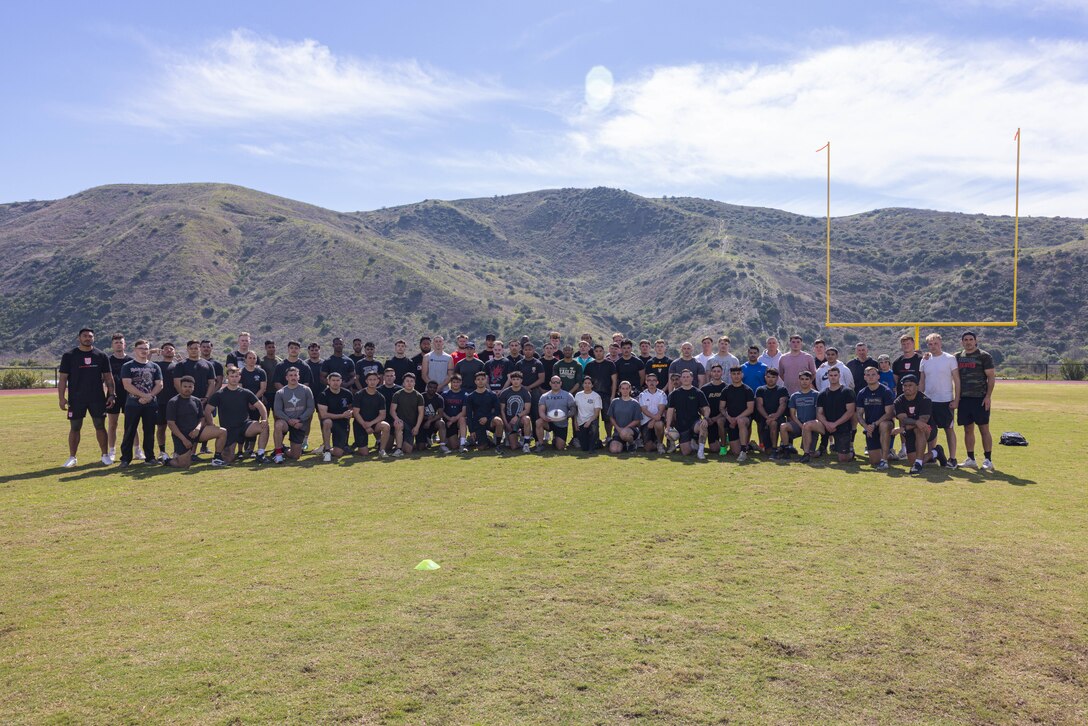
(361, 105)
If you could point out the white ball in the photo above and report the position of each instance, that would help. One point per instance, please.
(557, 414)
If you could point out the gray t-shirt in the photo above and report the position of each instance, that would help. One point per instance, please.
(561, 401)
(438, 365)
(297, 402)
(680, 365)
(625, 412)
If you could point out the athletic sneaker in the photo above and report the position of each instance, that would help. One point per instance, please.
(306, 443)
(968, 463)
(539, 447)
(122, 465)
(218, 461)
(398, 453)
(742, 456)
(941, 458)
(987, 465)
(326, 457)
(70, 463)
(163, 456)
(917, 467)
(903, 451)
(112, 453)
(951, 463)
(107, 459)
(882, 465)
(525, 447)
(260, 459)
(444, 449)
(661, 448)
(383, 454)
(277, 459)
(805, 458)
(700, 454)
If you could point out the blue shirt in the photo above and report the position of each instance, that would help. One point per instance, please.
(481, 405)
(888, 379)
(805, 405)
(873, 402)
(755, 375)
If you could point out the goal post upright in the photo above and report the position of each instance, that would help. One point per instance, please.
(917, 325)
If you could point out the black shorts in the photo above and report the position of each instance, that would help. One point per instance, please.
(160, 414)
(236, 434)
(842, 440)
(180, 448)
(339, 434)
(423, 438)
(732, 433)
(794, 428)
(872, 443)
(971, 411)
(686, 435)
(942, 415)
(909, 438)
(559, 428)
(362, 438)
(296, 436)
(119, 399)
(711, 432)
(480, 433)
(79, 407)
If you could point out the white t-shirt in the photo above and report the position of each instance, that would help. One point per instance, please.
(726, 361)
(846, 378)
(938, 370)
(703, 358)
(587, 404)
(652, 402)
(771, 361)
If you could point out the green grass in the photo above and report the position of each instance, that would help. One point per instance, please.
(572, 589)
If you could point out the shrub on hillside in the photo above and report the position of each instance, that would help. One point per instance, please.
(1073, 370)
(19, 379)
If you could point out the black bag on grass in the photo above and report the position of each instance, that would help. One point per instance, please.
(1013, 438)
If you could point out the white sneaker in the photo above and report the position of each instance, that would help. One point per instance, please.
(306, 443)
(70, 463)
(383, 453)
(164, 456)
(987, 465)
(661, 448)
(444, 449)
(525, 448)
(139, 452)
(968, 464)
(112, 453)
(277, 459)
(398, 453)
(742, 456)
(107, 459)
(700, 455)
(327, 457)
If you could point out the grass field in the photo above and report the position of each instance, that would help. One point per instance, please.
(572, 589)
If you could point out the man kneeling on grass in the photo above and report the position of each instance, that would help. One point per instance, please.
(294, 407)
(336, 408)
(234, 404)
(914, 410)
(188, 425)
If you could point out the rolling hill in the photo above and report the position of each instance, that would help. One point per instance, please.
(174, 261)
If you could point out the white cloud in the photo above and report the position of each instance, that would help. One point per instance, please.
(245, 78)
(919, 119)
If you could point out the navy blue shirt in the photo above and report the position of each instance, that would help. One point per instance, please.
(874, 402)
(482, 405)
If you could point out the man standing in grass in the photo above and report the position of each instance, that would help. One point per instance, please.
(168, 391)
(754, 371)
(792, 363)
(659, 364)
(940, 381)
(118, 358)
(238, 357)
(723, 357)
(438, 364)
(569, 371)
(772, 354)
(305, 378)
(338, 363)
(142, 381)
(686, 362)
(400, 362)
(977, 381)
(269, 363)
(368, 364)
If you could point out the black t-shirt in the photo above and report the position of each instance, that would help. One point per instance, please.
(713, 393)
(772, 397)
(305, 373)
(432, 404)
(201, 371)
(417, 367)
(485, 355)
(217, 368)
(453, 402)
(834, 403)
(339, 364)
(549, 369)
(660, 368)
(688, 404)
(364, 367)
(737, 398)
(629, 370)
(369, 405)
(252, 379)
(356, 357)
(315, 367)
(515, 403)
(401, 366)
(335, 402)
(388, 393)
(601, 371)
(857, 369)
(168, 391)
(468, 368)
(920, 406)
(902, 366)
(408, 403)
(143, 377)
(85, 369)
(233, 406)
(497, 370)
(530, 369)
(185, 412)
(238, 358)
(116, 364)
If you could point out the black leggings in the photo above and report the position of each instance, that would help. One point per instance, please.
(587, 436)
(134, 415)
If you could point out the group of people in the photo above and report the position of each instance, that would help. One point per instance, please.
(586, 395)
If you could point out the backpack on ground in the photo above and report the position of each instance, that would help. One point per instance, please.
(1013, 438)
